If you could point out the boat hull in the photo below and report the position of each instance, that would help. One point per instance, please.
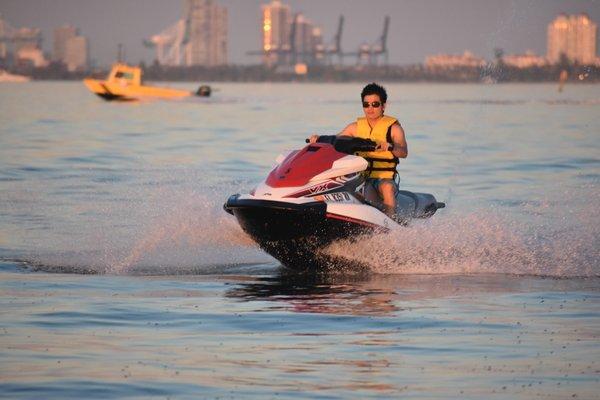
(295, 234)
(111, 91)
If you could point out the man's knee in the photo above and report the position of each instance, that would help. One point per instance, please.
(386, 189)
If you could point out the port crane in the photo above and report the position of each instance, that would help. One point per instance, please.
(335, 49)
(170, 43)
(13, 36)
(369, 53)
(381, 47)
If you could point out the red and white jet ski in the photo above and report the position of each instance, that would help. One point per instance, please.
(310, 199)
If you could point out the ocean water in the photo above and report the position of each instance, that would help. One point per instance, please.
(121, 276)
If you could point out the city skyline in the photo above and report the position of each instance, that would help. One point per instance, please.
(574, 37)
(503, 24)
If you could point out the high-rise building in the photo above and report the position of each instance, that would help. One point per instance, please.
(307, 40)
(76, 53)
(3, 34)
(61, 36)
(574, 36)
(276, 26)
(70, 48)
(207, 33)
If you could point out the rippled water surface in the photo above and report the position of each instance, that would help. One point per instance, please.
(121, 276)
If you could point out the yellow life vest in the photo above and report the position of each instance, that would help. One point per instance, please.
(382, 164)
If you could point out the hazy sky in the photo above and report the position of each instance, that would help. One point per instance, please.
(418, 27)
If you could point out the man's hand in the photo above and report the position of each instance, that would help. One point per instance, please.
(313, 138)
(383, 146)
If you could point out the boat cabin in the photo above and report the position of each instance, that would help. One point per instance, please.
(125, 75)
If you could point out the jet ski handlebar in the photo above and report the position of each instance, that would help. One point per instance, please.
(347, 144)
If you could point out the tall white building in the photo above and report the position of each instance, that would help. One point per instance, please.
(276, 25)
(308, 40)
(76, 53)
(3, 33)
(207, 33)
(61, 36)
(289, 39)
(574, 36)
(70, 48)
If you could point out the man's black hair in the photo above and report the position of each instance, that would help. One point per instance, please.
(373, 88)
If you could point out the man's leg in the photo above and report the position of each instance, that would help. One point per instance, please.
(387, 191)
(371, 194)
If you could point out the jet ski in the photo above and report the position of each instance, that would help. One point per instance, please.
(312, 197)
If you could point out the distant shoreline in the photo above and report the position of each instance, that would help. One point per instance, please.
(493, 73)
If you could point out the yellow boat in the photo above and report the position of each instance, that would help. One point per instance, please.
(124, 83)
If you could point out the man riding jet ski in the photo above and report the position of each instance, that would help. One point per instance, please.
(310, 198)
(386, 131)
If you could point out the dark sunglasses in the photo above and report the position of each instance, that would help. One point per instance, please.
(374, 104)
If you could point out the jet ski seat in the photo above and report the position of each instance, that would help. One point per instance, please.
(415, 205)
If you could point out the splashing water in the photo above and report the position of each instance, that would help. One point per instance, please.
(173, 232)
(487, 241)
(188, 232)
(197, 233)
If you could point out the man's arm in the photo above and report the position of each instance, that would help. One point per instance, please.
(399, 142)
(349, 130)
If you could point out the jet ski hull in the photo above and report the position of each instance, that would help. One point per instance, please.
(295, 234)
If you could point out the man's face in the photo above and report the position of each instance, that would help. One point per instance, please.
(370, 101)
